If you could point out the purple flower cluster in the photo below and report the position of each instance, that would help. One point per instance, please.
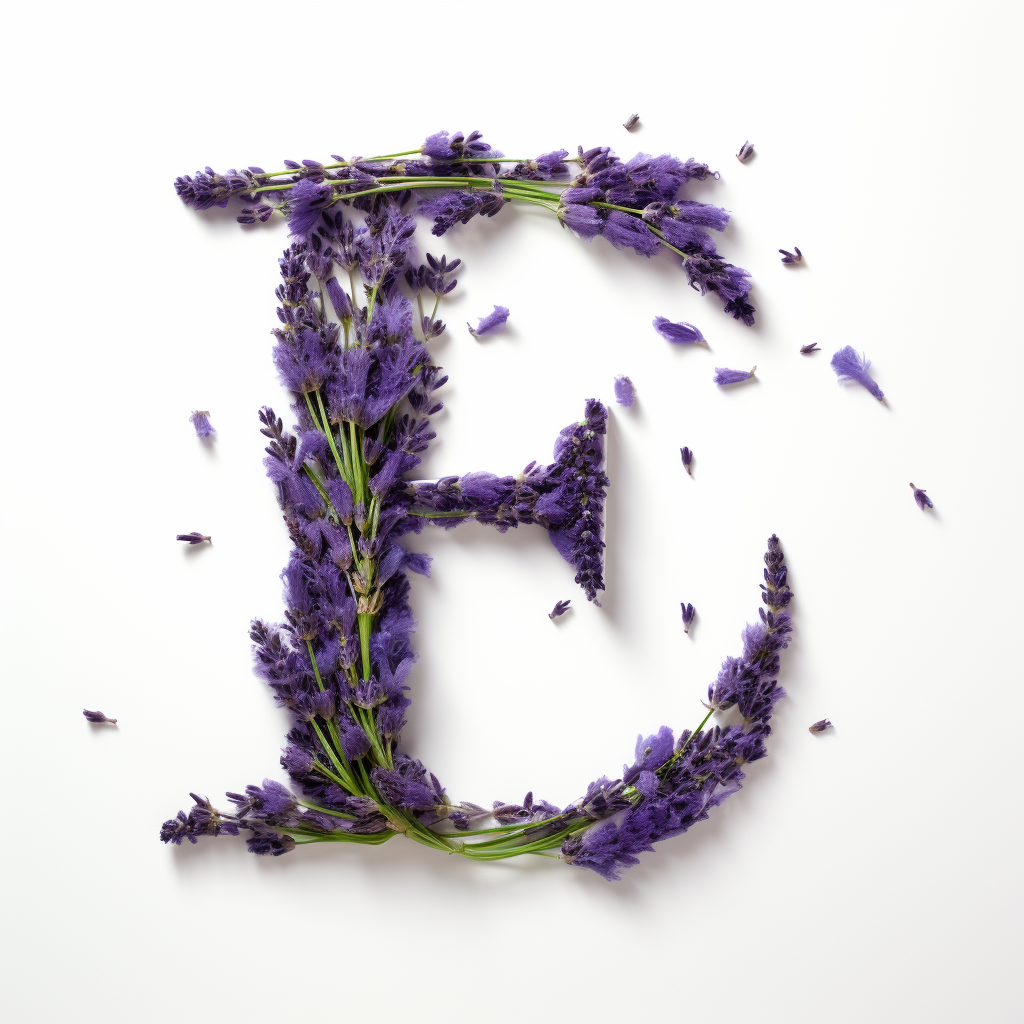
(363, 381)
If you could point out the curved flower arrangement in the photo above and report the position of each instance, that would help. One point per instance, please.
(364, 383)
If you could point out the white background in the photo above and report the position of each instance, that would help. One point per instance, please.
(870, 873)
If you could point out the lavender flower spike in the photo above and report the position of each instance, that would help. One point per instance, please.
(687, 456)
(922, 499)
(688, 613)
(194, 538)
(96, 717)
(746, 152)
(806, 350)
(200, 419)
(561, 607)
(820, 726)
(490, 324)
(631, 122)
(850, 365)
(678, 334)
(723, 375)
(792, 257)
(625, 393)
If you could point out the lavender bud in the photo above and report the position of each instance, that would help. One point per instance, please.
(687, 457)
(679, 334)
(193, 538)
(850, 365)
(631, 122)
(808, 349)
(201, 421)
(922, 499)
(820, 726)
(561, 607)
(792, 257)
(723, 375)
(746, 152)
(98, 717)
(625, 393)
(492, 323)
(688, 613)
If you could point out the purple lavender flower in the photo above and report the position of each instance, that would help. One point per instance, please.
(561, 607)
(723, 375)
(688, 613)
(808, 349)
(201, 421)
(791, 257)
(631, 122)
(97, 717)
(679, 334)
(687, 456)
(820, 726)
(746, 152)
(305, 204)
(493, 323)
(850, 365)
(625, 393)
(208, 188)
(922, 499)
(193, 538)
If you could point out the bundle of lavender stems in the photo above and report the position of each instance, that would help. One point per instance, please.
(356, 358)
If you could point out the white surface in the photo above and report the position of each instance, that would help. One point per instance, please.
(865, 874)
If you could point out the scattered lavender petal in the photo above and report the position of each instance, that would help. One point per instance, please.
(850, 365)
(746, 152)
(808, 349)
(792, 257)
(922, 499)
(820, 726)
(193, 538)
(679, 334)
(490, 324)
(200, 419)
(723, 375)
(687, 457)
(97, 717)
(625, 393)
(688, 613)
(561, 607)
(631, 122)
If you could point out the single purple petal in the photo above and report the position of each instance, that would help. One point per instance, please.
(687, 456)
(561, 607)
(201, 421)
(808, 349)
(820, 726)
(688, 614)
(625, 393)
(851, 365)
(746, 152)
(631, 122)
(492, 323)
(98, 717)
(723, 375)
(679, 334)
(922, 499)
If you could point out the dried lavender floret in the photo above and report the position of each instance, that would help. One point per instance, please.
(808, 349)
(97, 717)
(561, 607)
(631, 122)
(746, 152)
(922, 499)
(193, 538)
(679, 334)
(723, 375)
(687, 456)
(625, 393)
(200, 419)
(820, 726)
(688, 614)
(851, 365)
(791, 257)
(491, 324)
